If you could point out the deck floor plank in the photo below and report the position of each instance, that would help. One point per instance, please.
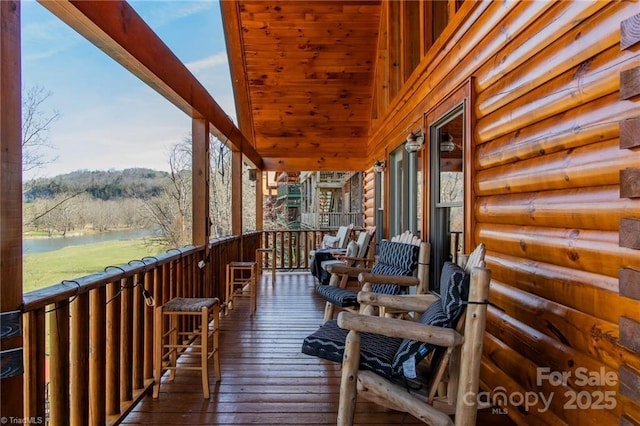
(266, 380)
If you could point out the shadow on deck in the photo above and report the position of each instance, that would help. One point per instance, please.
(266, 380)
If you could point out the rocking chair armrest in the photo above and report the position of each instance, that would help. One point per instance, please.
(403, 329)
(353, 258)
(406, 302)
(351, 271)
(401, 280)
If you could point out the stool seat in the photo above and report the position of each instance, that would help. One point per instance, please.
(242, 264)
(189, 304)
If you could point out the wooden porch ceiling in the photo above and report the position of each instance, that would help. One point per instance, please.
(303, 79)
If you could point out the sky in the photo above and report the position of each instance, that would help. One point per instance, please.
(109, 119)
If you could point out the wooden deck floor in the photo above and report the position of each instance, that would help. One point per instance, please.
(266, 380)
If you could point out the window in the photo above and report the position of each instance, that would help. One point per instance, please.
(449, 145)
(403, 192)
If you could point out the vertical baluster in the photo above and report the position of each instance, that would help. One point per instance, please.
(172, 278)
(297, 249)
(290, 248)
(149, 285)
(80, 360)
(138, 334)
(34, 380)
(59, 404)
(282, 251)
(166, 282)
(126, 345)
(113, 349)
(97, 356)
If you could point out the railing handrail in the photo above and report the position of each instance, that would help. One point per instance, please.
(101, 323)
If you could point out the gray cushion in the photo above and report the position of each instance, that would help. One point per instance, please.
(338, 296)
(395, 259)
(445, 312)
(376, 351)
(454, 288)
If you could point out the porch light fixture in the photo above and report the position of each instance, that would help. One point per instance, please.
(446, 143)
(414, 141)
(379, 166)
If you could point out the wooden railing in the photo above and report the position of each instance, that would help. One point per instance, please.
(292, 247)
(99, 346)
(100, 341)
(332, 220)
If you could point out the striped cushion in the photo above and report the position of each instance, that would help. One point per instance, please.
(401, 255)
(454, 287)
(395, 259)
(337, 296)
(376, 351)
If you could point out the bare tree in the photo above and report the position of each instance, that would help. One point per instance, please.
(171, 211)
(36, 124)
(220, 189)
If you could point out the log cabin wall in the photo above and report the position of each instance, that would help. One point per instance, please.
(369, 198)
(555, 177)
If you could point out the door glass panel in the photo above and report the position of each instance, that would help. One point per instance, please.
(446, 221)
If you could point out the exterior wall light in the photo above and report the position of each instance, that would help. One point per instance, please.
(414, 141)
(379, 166)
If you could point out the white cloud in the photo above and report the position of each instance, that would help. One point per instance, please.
(212, 61)
(159, 13)
(45, 39)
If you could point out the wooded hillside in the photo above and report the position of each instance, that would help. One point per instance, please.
(100, 184)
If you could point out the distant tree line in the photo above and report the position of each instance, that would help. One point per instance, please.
(131, 198)
(137, 198)
(100, 184)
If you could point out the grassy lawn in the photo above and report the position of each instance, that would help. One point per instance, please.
(45, 269)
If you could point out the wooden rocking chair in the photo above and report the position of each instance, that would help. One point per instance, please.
(378, 277)
(462, 354)
(359, 253)
(384, 360)
(329, 246)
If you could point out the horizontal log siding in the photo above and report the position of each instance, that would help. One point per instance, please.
(574, 172)
(547, 180)
(369, 198)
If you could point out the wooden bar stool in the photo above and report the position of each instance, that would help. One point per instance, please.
(241, 282)
(184, 343)
(261, 253)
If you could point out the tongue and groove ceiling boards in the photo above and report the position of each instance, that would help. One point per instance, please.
(303, 77)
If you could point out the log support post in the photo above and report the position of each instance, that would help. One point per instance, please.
(236, 192)
(11, 380)
(200, 158)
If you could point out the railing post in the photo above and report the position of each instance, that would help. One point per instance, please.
(34, 332)
(126, 373)
(149, 285)
(97, 356)
(138, 335)
(80, 360)
(59, 403)
(113, 349)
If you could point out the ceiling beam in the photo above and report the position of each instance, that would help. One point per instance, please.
(283, 164)
(116, 28)
(233, 38)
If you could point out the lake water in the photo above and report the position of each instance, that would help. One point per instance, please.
(42, 245)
